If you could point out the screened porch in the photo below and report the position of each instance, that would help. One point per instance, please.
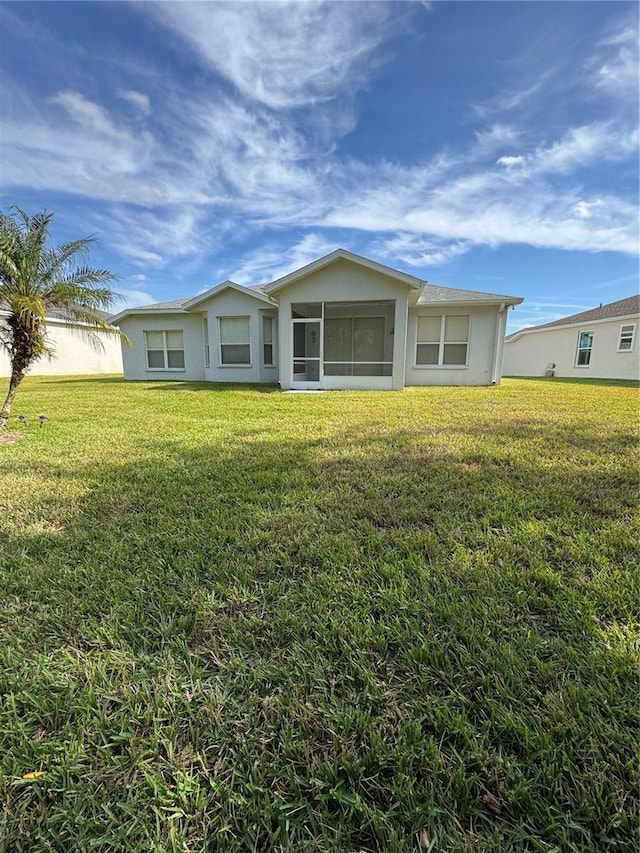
(342, 339)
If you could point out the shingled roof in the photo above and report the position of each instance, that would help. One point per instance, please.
(438, 294)
(621, 308)
(171, 305)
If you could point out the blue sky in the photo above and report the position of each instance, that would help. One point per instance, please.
(489, 146)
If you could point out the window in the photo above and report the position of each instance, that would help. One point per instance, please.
(627, 335)
(165, 350)
(205, 336)
(585, 344)
(442, 341)
(267, 341)
(235, 346)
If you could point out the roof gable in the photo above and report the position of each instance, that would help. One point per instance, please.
(219, 288)
(341, 254)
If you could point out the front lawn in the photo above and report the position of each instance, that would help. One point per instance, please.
(241, 620)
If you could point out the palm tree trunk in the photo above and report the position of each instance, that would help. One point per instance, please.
(16, 378)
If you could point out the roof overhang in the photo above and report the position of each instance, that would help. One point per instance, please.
(342, 254)
(507, 301)
(148, 311)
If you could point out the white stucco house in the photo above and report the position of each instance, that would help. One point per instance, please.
(75, 351)
(600, 344)
(342, 321)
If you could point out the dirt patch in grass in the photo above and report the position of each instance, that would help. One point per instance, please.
(9, 437)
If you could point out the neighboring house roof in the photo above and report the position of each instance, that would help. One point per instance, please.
(59, 313)
(621, 308)
(436, 294)
(341, 254)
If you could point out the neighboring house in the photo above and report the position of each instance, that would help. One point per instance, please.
(75, 351)
(600, 344)
(340, 322)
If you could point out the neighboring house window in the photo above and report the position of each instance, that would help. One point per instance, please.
(205, 335)
(267, 341)
(235, 346)
(627, 335)
(442, 340)
(585, 345)
(165, 350)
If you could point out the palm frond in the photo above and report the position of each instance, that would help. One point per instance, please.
(36, 278)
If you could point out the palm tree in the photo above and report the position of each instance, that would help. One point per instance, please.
(35, 280)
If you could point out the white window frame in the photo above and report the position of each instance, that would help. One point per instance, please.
(630, 348)
(580, 349)
(234, 343)
(165, 350)
(271, 343)
(441, 343)
(207, 348)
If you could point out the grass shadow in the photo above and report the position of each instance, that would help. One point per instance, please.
(326, 642)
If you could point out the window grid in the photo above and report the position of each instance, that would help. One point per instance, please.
(442, 340)
(627, 337)
(585, 345)
(165, 349)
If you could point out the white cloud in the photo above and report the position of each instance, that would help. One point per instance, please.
(130, 298)
(89, 115)
(415, 250)
(153, 238)
(137, 99)
(283, 55)
(496, 136)
(618, 69)
(586, 145)
(214, 167)
(510, 161)
(263, 265)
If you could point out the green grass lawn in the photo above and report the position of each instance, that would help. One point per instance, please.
(239, 620)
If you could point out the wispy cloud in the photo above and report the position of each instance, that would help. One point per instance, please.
(178, 183)
(283, 55)
(269, 264)
(131, 298)
(90, 116)
(616, 62)
(138, 100)
(418, 251)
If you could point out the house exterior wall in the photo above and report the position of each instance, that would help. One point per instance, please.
(530, 353)
(134, 356)
(232, 303)
(483, 326)
(75, 353)
(345, 282)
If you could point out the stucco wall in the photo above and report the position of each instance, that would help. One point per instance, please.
(531, 352)
(481, 351)
(343, 282)
(75, 353)
(232, 303)
(134, 357)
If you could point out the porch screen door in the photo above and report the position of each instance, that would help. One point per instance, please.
(306, 352)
